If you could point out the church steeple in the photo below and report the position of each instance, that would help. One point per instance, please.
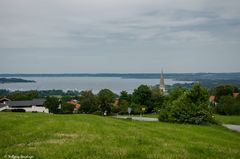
(162, 85)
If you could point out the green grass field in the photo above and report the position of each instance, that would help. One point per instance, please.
(49, 136)
(147, 115)
(228, 119)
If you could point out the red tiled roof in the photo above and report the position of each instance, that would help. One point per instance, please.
(75, 103)
(235, 94)
(212, 98)
(77, 106)
(115, 102)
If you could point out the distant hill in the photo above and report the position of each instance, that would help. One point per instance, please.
(14, 80)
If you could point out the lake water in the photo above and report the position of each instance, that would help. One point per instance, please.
(116, 84)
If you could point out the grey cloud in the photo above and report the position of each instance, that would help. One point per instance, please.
(108, 29)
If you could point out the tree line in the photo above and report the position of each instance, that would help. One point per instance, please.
(182, 105)
(107, 101)
(227, 100)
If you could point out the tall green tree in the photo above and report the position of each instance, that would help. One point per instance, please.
(228, 105)
(106, 97)
(124, 102)
(52, 103)
(224, 90)
(88, 101)
(123, 106)
(157, 99)
(125, 96)
(142, 96)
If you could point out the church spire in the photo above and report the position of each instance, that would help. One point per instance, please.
(162, 85)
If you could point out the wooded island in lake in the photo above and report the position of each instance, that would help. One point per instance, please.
(15, 80)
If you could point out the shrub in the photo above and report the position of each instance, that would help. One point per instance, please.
(98, 112)
(7, 110)
(136, 108)
(189, 106)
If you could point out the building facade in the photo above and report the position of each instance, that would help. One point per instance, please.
(35, 105)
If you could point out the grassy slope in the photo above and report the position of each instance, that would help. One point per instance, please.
(222, 119)
(228, 119)
(88, 136)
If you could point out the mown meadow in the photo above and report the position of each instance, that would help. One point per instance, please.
(228, 119)
(48, 136)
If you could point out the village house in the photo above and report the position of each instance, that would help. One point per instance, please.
(235, 95)
(35, 105)
(76, 104)
(213, 99)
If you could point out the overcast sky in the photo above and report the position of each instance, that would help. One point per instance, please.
(92, 36)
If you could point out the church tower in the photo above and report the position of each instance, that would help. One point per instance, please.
(162, 85)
